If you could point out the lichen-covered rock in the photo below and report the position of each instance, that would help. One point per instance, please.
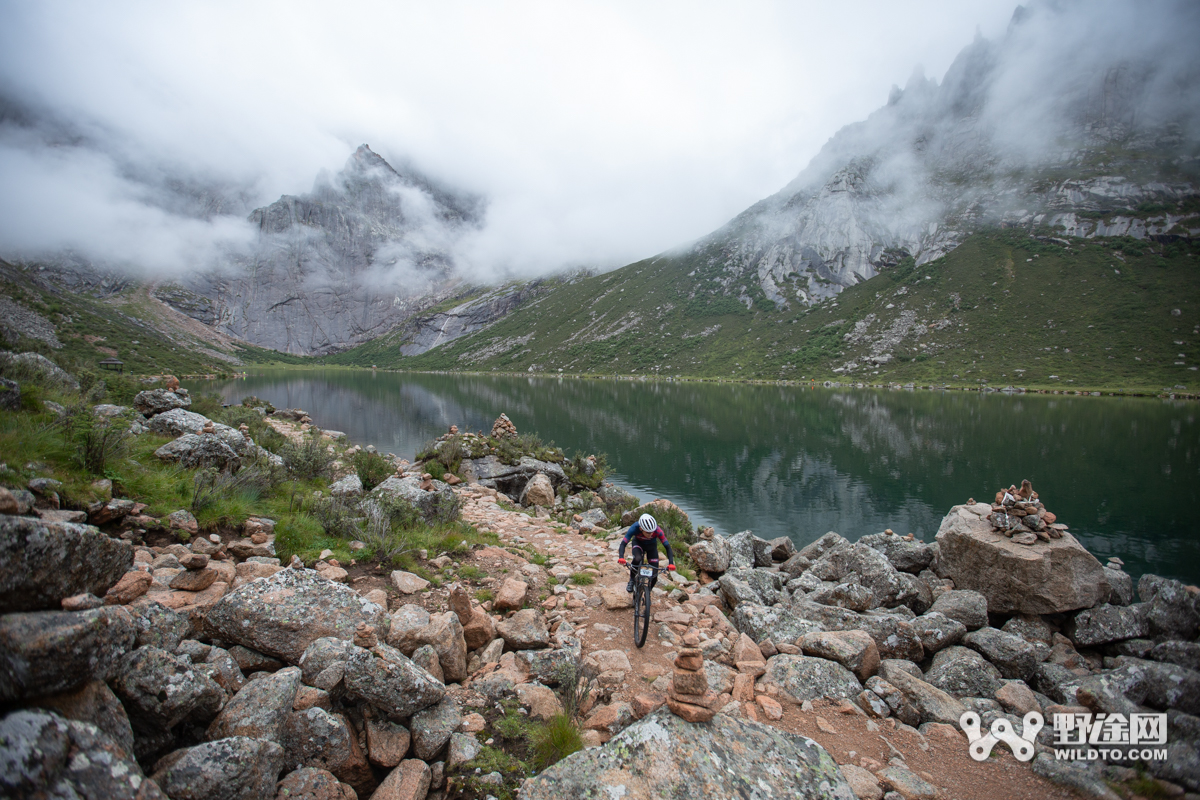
(194, 450)
(237, 768)
(44, 755)
(1043, 578)
(937, 631)
(857, 563)
(178, 421)
(777, 624)
(43, 562)
(854, 650)
(157, 625)
(524, 630)
(964, 673)
(284, 613)
(906, 556)
(445, 634)
(539, 491)
(431, 728)
(156, 401)
(799, 678)
(1108, 623)
(931, 703)
(409, 489)
(894, 636)
(259, 710)
(160, 690)
(664, 756)
(844, 595)
(1171, 611)
(965, 606)
(385, 678)
(349, 486)
(46, 652)
(308, 783)
(95, 704)
(1012, 655)
(711, 554)
(316, 738)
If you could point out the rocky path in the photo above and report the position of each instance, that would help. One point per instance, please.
(634, 681)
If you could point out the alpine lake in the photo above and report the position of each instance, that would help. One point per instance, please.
(1122, 473)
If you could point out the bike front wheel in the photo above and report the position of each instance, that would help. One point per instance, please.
(641, 613)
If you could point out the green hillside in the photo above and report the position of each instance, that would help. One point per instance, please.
(1004, 307)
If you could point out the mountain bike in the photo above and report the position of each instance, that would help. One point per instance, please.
(641, 601)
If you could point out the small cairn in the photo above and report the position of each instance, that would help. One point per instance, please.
(503, 428)
(1021, 516)
(690, 698)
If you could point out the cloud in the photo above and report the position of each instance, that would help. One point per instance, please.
(599, 133)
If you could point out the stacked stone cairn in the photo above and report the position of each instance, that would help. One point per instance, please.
(1020, 515)
(690, 696)
(503, 428)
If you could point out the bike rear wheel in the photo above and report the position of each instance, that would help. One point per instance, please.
(641, 612)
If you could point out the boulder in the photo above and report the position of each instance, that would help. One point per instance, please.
(316, 738)
(931, 703)
(95, 704)
(937, 631)
(664, 756)
(463, 748)
(426, 658)
(1043, 578)
(179, 421)
(963, 673)
(44, 367)
(1185, 654)
(308, 783)
(1012, 655)
(511, 595)
(155, 624)
(1107, 623)
(408, 583)
(1171, 611)
(283, 614)
(844, 595)
(1120, 585)
(385, 678)
(408, 624)
(44, 755)
(157, 401)
(160, 690)
(965, 606)
(894, 636)
(524, 630)
(711, 554)
(906, 556)
(226, 769)
(431, 728)
(799, 678)
(539, 491)
(259, 709)
(761, 623)
(194, 450)
(445, 634)
(409, 489)
(854, 650)
(857, 563)
(47, 652)
(409, 781)
(43, 562)
(510, 479)
(349, 486)
(387, 742)
(747, 551)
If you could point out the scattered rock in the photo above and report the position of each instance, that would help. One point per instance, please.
(157, 401)
(46, 652)
(259, 709)
(854, 650)
(43, 562)
(511, 595)
(524, 630)
(238, 768)
(799, 678)
(964, 606)
(384, 677)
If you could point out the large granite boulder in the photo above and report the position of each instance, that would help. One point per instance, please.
(388, 680)
(858, 563)
(238, 768)
(46, 652)
(46, 369)
(160, 690)
(510, 478)
(664, 756)
(44, 755)
(260, 708)
(409, 489)
(1108, 623)
(43, 562)
(1043, 578)
(194, 450)
(777, 624)
(157, 401)
(711, 553)
(1171, 610)
(905, 555)
(799, 678)
(284, 613)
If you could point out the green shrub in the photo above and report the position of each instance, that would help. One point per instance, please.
(253, 402)
(309, 459)
(578, 467)
(583, 579)
(372, 469)
(337, 516)
(554, 740)
(99, 441)
(263, 434)
(245, 487)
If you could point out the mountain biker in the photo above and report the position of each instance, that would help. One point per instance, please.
(645, 535)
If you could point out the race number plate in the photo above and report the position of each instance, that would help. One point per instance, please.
(647, 572)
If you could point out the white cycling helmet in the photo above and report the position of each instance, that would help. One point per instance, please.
(648, 523)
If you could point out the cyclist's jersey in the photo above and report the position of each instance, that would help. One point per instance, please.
(642, 539)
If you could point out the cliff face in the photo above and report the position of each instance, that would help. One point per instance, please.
(1017, 133)
(339, 266)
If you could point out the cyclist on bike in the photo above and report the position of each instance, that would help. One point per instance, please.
(645, 535)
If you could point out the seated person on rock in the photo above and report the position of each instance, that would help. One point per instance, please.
(645, 535)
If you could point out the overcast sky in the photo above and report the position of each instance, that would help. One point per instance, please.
(598, 132)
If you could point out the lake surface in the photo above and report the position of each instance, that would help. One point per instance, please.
(1123, 473)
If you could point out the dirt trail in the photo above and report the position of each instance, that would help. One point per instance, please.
(848, 735)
